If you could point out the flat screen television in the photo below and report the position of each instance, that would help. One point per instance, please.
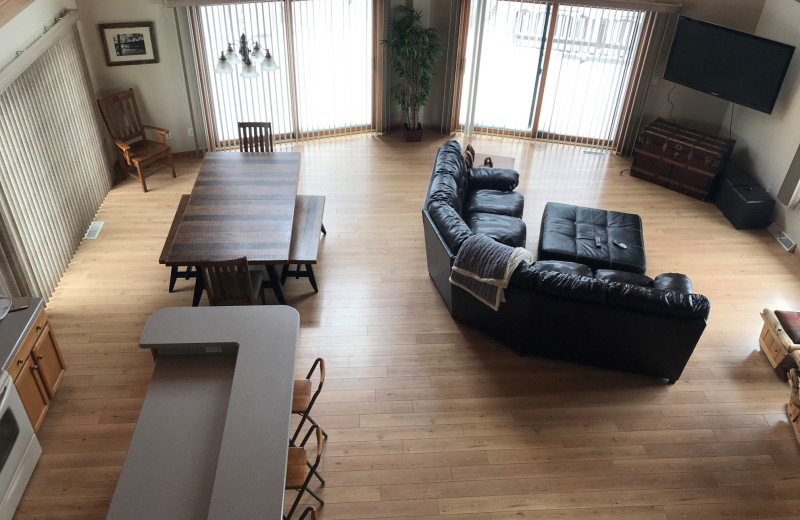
(742, 68)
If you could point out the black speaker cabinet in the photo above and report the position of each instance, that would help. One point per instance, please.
(743, 202)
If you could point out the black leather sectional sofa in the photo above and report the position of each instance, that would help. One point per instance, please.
(556, 309)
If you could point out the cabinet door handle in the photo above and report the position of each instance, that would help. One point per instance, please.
(38, 327)
(20, 361)
(40, 356)
(35, 367)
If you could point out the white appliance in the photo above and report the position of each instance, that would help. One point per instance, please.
(19, 448)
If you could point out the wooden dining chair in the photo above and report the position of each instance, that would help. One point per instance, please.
(231, 282)
(299, 472)
(136, 152)
(303, 401)
(255, 137)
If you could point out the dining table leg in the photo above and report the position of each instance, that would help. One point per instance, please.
(199, 287)
(275, 283)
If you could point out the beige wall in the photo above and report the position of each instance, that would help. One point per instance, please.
(767, 143)
(28, 25)
(694, 108)
(160, 88)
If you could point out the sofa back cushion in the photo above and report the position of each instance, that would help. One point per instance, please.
(611, 275)
(450, 182)
(450, 224)
(670, 303)
(566, 280)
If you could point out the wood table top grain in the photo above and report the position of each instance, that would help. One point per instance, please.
(242, 204)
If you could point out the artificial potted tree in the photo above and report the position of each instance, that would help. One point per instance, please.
(414, 51)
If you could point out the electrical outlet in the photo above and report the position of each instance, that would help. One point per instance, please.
(190, 131)
(169, 135)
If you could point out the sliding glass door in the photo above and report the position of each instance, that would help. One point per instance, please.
(324, 85)
(548, 70)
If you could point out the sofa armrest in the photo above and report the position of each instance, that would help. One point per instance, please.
(502, 179)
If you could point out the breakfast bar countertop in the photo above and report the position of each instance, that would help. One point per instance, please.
(211, 441)
(13, 327)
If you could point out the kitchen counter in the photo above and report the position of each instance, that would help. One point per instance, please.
(212, 437)
(13, 328)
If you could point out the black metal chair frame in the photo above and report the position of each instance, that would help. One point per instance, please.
(306, 414)
(311, 473)
(309, 509)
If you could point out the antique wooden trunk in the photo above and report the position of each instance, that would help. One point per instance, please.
(680, 158)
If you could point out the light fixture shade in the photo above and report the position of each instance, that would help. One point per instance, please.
(257, 54)
(269, 63)
(231, 55)
(223, 67)
(249, 71)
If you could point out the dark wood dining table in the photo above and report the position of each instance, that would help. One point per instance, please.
(242, 204)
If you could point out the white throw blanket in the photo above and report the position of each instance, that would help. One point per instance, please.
(484, 266)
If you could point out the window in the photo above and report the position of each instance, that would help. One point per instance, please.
(324, 84)
(548, 70)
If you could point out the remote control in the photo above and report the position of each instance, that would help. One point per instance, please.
(619, 244)
(597, 243)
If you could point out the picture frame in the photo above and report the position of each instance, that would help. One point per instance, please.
(129, 43)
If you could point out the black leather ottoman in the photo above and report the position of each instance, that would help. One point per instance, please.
(586, 236)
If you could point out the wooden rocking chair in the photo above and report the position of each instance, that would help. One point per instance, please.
(135, 150)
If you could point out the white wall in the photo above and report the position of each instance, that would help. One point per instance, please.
(160, 87)
(28, 25)
(767, 143)
(693, 108)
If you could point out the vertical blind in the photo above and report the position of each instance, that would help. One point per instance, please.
(53, 171)
(324, 85)
(548, 70)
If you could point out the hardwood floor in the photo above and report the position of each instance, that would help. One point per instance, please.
(429, 419)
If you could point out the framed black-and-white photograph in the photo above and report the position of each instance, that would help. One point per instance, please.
(129, 43)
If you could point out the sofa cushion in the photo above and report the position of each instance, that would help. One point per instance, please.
(610, 275)
(450, 225)
(508, 203)
(571, 286)
(450, 161)
(502, 179)
(510, 231)
(444, 188)
(559, 266)
(673, 282)
(669, 303)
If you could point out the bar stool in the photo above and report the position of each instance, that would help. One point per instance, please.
(303, 401)
(299, 472)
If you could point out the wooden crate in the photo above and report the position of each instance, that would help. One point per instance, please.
(774, 342)
(680, 158)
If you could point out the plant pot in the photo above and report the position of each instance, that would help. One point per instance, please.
(413, 136)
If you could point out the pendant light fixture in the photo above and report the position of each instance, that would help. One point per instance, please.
(249, 56)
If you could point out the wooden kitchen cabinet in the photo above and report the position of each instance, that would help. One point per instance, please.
(37, 368)
(47, 357)
(32, 393)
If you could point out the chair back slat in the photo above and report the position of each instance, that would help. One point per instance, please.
(228, 282)
(255, 137)
(121, 115)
